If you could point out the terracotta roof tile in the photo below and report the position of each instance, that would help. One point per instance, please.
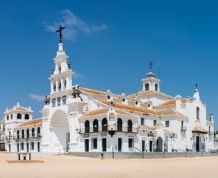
(169, 103)
(199, 129)
(147, 93)
(146, 127)
(34, 122)
(134, 109)
(104, 111)
(91, 91)
(96, 112)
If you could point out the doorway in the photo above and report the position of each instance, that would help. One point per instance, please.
(104, 144)
(198, 142)
(86, 145)
(143, 145)
(150, 146)
(119, 144)
(159, 144)
(38, 146)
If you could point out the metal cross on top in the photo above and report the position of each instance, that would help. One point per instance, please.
(150, 65)
(59, 30)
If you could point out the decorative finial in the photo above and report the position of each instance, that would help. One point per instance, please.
(196, 86)
(59, 31)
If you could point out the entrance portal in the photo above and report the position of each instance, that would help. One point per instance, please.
(59, 132)
(198, 143)
(86, 145)
(104, 144)
(159, 144)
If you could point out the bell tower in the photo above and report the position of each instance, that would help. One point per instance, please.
(61, 78)
(150, 83)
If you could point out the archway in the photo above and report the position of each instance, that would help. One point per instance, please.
(59, 132)
(159, 144)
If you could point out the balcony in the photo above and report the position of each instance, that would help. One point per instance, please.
(25, 137)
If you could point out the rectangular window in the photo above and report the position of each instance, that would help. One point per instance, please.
(182, 125)
(142, 121)
(59, 101)
(64, 99)
(154, 122)
(94, 143)
(167, 123)
(32, 145)
(53, 102)
(22, 146)
(130, 142)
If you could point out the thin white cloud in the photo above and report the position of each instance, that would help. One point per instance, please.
(74, 25)
(78, 75)
(37, 97)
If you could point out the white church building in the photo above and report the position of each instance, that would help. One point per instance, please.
(79, 119)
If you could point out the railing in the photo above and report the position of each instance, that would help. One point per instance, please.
(140, 151)
(25, 137)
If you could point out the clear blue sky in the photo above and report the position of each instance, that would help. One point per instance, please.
(110, 44)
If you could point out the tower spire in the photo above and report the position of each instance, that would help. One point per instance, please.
(150, 66)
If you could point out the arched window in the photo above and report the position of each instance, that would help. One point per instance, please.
(146, 87)
(33, 132)
(129, 126)
(87, 128)
(197, 113)
(95, 125)
(104, 124)
(54, 86)
(156, 87)
(27, 133)
(22, 134)
(38, 131)
(26, 116)
(119, 125)
(59, 86)
(19, 116)
(65, 83)
(59, 68)
(18, 134)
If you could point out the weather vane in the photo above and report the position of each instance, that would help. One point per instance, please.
(59, 31)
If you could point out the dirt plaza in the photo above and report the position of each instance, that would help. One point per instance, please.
(69, 166)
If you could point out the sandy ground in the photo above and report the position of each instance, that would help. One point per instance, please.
(70, 167)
